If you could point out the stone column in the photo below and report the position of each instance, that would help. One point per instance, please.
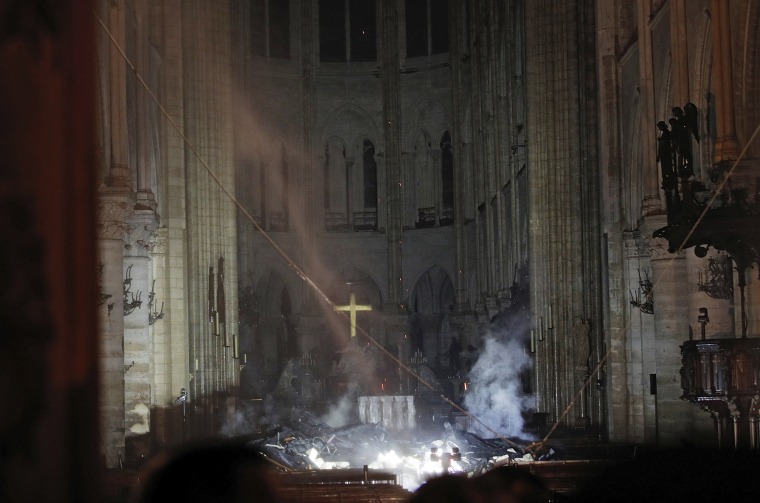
(651, 203)
(391, 85)
(308, 220)
(726, 146)
(676, 419)
(563, 203)
(630, 384)
(679, 52)
(112, 230)
(119, 174)
(159, 332)
(144, 196)
(138, 347)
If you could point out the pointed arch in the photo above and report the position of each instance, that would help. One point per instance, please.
(348, 171)
(348, 122)
(425, 178)
(431, 301)
(354, 279)
(430, 115)
(335, 178)
(275, 341)
(433, 292)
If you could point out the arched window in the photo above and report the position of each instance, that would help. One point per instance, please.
(365, 190)
(370, 175)
(336, 186)
(425, 177)
(270, 28)
(347, 30)
(276, 193)
(427, 27)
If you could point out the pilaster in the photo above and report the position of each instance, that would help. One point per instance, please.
(390, 76)
(113, 211)
(676, 419)
(138, 347)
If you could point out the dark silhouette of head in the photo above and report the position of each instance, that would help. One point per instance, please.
(209, 473)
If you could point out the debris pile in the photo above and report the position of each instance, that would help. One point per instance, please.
(305, 443)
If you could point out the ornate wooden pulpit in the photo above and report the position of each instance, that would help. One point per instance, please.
(722, 376)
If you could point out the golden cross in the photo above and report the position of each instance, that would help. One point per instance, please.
(352, 307)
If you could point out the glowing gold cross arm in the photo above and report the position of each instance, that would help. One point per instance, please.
(352, 307)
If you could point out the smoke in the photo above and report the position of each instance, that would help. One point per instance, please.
(341, 413)
(495, 393)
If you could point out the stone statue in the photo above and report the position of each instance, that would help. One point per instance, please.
(582, 341)
(665, 157)
(683, 128)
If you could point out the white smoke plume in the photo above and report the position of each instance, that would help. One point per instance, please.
(341, 413)
(495, 392)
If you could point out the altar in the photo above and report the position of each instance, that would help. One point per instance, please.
(393, 412)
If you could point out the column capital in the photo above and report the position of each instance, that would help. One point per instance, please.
(658, 248)
(142, 226)
(112, 216)
(634, 245)
(159, 241)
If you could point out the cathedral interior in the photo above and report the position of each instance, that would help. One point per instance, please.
(532, 220)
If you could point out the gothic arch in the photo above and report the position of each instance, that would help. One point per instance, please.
(365, 175)
(278, 177)
(275, 340)
(433, 292)
(432, 297)
(353, 279)
(431, 116)
(423, 179)
(348, 122)
(335, 180)
(271, 294)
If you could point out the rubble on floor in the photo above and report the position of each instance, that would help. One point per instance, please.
(305, 443)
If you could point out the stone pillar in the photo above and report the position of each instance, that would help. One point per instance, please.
(113, 212)
(145, 166)
(676, 419)
(119, 173)
(308, 221)
(138, 347)
(679, 52)
(640, 357)
(391, 85)
(651, 203)
(210, 215)
(458, 146)
(563, 192)
(161, 386)
(726, 146)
